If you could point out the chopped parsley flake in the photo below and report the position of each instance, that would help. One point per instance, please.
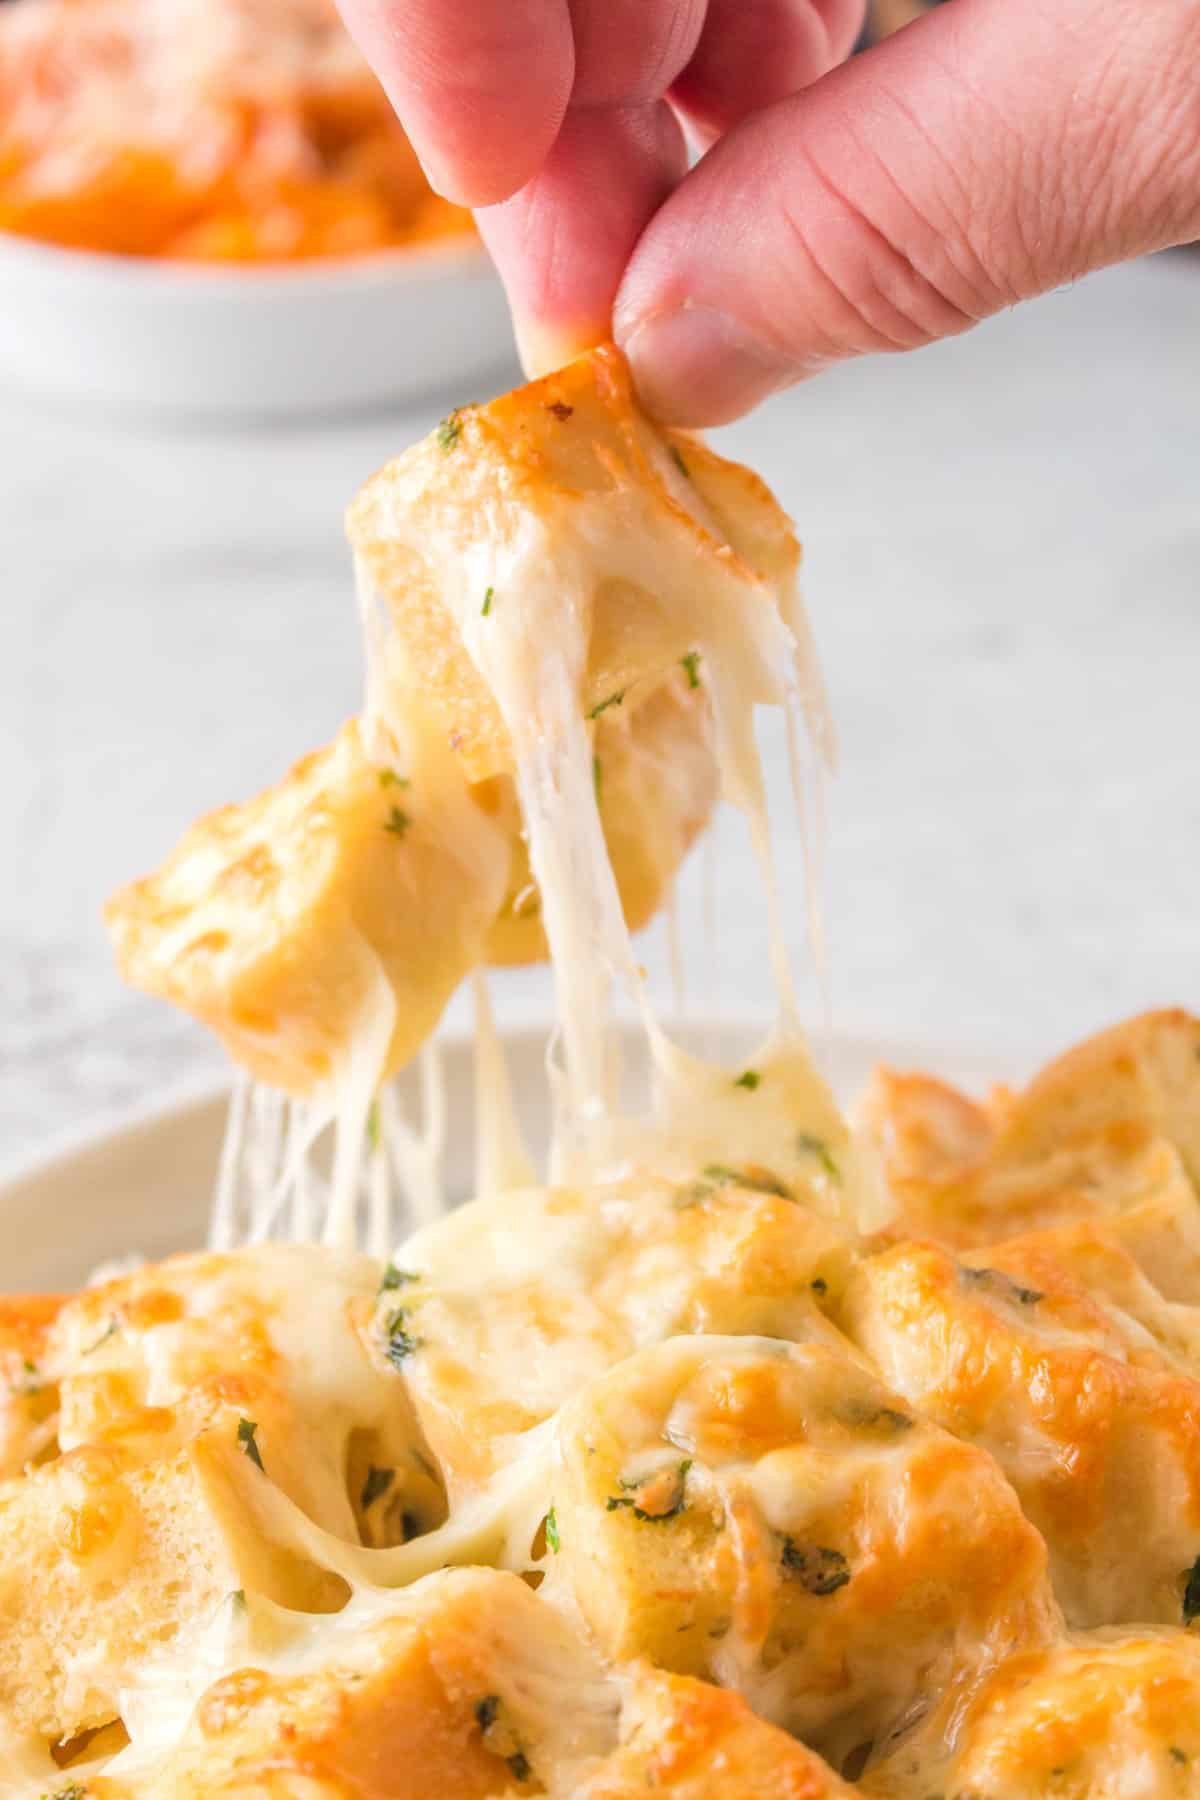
(759, 1181)
(560, 409)
(247, 1440)
(657, 1498)
(518, 1765)
(815, 1146)
(486, 1710)
(237, 1600)
(373, 1125)
(449, 431)
(888, 1421)
(552, 1537)
(400, 1341)
(29, 1381)
(72, 1791)
(1191, 1592)
(110, 1330)
(394, 1278)
(1176, 1754)
(486, 608)
(389, 778)
(748, 1079)
(597, 777)
(691, 663)
(819, 1285)
(397, 822)
(1005, 1286)
(677, 458)
(613, 700)
(818, 1570)
(375, 1486)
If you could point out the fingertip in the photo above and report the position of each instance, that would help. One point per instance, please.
(698, 365)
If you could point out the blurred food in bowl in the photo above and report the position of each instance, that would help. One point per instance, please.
(205, 130)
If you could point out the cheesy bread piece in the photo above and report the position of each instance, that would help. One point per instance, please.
(274, 1337)
(1091, 1410)
(1112, 1128)
(284, 922)
(770, 1516)
(1110, 1714)
(109, 1558)
(178, 1384)
(655, 777)
(464, 1686)
(28, 1394)
(560, 515)
(347, 902)
(502, 1310)
(686, 1740)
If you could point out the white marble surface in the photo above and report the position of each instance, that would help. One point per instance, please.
(1003, 539)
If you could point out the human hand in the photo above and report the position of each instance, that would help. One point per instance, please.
(990, 152)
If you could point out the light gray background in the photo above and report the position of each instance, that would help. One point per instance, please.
(1003, 566)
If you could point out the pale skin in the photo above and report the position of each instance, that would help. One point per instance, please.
(992, 151)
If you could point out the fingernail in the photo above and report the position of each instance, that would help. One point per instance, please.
(696, 365)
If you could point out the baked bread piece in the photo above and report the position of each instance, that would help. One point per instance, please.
(771, 1516)
(347, 903)
(1112, 1128)
(344, 905)
(501, 1311)
(607, 543)
(1092, 1409)
(28, 1396)
(1112, 1713)
(464, 1685)
(178, 1384)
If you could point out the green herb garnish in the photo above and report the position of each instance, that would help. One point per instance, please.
(759, 1181)
(400, 1341)
(691, 662)
(748, 1079)
(29, 1382)
(560, 409)
(394, 1278)
(449, 431)
(552, 1537)
(110, 1330)
(397, 822)
(389, 778)
(246, 1438)
(597, 774)
(373, 1125)
(237, 1600)
(613, 700)
(486, 608)
(817, 1569)
(819, 1285)
(1176, 1754)
(375, 1486)
(518, 1765)
(486, 1710)
(1006, 1287)
(657, 1498)
(815, 1146)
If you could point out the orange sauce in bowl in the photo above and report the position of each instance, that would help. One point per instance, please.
(204, 130)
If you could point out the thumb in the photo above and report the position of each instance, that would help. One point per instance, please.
(989, 153)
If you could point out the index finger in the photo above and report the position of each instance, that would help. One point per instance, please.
(481, 86)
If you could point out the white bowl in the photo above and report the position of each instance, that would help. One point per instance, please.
(250, 341)
(145, 1188)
